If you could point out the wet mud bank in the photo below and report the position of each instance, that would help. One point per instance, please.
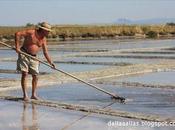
(105, 111)
(110, 72)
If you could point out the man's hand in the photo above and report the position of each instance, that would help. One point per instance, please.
(18, 50)
(53, 66)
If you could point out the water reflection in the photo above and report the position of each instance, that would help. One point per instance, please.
(26, 122)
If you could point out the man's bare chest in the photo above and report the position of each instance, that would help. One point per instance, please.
(33, 40)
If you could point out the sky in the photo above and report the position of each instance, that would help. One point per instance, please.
(21, 12)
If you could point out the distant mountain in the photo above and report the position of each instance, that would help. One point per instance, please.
(145, 21)
(124, 21)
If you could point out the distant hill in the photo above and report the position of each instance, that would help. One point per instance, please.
(145, 21)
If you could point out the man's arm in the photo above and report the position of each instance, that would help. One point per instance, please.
(18, 36)
(45, 52)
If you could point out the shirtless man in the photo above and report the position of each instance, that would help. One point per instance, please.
(34, 41)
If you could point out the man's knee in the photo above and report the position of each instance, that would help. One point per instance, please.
(24, 74)
(35, 77)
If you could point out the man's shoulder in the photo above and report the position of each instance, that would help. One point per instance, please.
(31, 31)
(27, 31)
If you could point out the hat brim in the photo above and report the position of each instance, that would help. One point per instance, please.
(47, 29)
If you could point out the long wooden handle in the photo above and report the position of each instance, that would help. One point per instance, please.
(89, 84)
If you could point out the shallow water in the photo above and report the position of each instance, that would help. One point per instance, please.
(98, 45)
(8, 65)
(115, 44)
(7, 53)
(9, 76)
(145, 100)
(23, 116)
(86, 45)
(72, 67)
(112, 59)
(63, 66)
(18, 116)
(163, 78)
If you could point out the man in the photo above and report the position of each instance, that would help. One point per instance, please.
(34, 41)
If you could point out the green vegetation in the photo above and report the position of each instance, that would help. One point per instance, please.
(72, 32)
(8, 32)
(152, 34)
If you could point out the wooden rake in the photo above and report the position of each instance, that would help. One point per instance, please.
(113, 96)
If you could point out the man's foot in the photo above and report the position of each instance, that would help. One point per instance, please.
(35, 97)
(25, 98)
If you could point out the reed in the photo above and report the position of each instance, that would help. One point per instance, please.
(98, 31)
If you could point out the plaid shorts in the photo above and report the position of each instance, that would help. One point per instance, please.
(27, 64)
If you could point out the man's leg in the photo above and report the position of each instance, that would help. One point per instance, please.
(34, 86)
(24, 85)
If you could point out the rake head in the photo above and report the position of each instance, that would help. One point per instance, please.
(120, 99)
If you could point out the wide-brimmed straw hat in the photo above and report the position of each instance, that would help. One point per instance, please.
(45, 26)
